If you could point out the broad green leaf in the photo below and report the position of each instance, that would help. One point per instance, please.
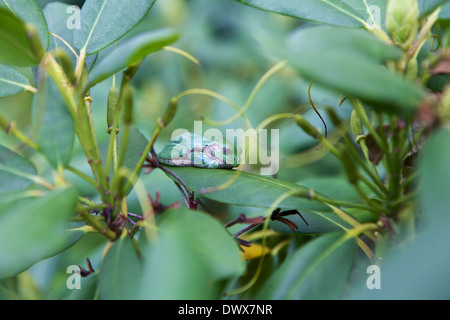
(354, 67)
(337, 187)
(445, 11)
(11, 81)
(16, 49)
(349, 13)
(191, 252)
(248, 190)
(419, 268)
(14, 171)
(208, 237)
(427, 6)
(318, 270)
(131, 52)
(29, 11)
(88, 290)
(415, 271)
(435, 176)
(10, 199)
(36, 230)
(106, 21)
(55, 131)
(174, 271)
(121, 271)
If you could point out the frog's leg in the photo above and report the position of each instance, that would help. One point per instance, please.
(253, 223)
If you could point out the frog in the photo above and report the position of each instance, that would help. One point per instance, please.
(193, 150)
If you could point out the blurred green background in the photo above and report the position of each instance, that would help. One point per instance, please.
(235, 45)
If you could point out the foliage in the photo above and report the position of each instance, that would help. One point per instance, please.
(83, 110)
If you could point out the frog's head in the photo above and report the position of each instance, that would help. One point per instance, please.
(224, 154)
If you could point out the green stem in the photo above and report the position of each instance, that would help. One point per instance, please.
(359, 108)
(367, 199)
(83, 126)
(10, 128)
(423, 34)
(141, 161)
(364, 165)
(91, 204)
(97, 225)
(372, 186)
(338, 203)
(82, 175)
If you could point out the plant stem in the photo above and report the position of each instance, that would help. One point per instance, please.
(82, 175)
(141, 161)
(359, 108)
(83, 126)
(97, 225)
(375, 178)
(10, 128)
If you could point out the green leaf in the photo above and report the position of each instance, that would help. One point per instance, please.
(12, 81)
(318, 270)
(16, 49)
(336, 187)
(29, 11)
(15, 170)
(36, 230)
(354, 67)
(55, 130)
(402, 274)
(445, 11)
(435, 177)
(248, 190)
(191, 252)
(10, 199)
(427, 6)
(106, 21)
(121, 271)
(348, 13)
(405, 277)
(131, 52)
(88, 290)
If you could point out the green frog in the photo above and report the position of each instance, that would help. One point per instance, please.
(190, 149)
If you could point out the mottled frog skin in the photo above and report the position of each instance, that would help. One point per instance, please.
(193, 150)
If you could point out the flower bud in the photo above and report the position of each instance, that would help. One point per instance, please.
(307, 127)
(111, 110)
(356, 126)
(65, 63)
(170, 111)
(127, 105)
(402, 21)
(34, 41)
(349, 165)
(335, 119)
